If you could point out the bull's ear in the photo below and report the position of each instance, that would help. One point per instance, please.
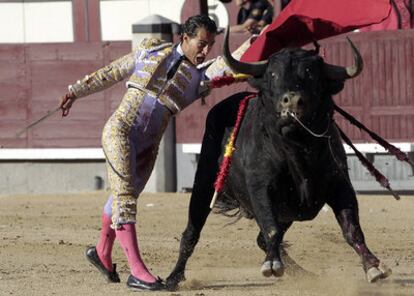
(335, 86)
(256, 82)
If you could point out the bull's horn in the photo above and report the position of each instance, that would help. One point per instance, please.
(254, 69)
(341, 73)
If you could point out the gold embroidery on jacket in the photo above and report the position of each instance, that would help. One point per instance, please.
(149, 43)
(105, 77)
(181, 82)
(184, 70)
(152, 70)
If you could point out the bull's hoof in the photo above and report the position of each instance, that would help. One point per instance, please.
(373, 274)
(266, 269)
(171, 285)
(274, 268)
(376, 273)
(172, 282)
(278, 269)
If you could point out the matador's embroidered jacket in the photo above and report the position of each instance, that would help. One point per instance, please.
(132, 134)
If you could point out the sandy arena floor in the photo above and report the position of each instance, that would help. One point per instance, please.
(43, 239)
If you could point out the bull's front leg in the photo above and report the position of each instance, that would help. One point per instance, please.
(270, 268)
(272, 231)
(349, 221)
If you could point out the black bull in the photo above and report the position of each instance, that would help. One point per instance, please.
(289, 160)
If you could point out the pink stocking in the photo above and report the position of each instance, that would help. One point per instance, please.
(128, 239)
(106, 241)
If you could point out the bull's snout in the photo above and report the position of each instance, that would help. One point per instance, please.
(291, 102)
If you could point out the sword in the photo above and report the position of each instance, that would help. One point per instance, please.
(37, 121)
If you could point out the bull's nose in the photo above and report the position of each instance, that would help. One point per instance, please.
(291, 99)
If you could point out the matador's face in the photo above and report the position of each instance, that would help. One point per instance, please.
(197, 47)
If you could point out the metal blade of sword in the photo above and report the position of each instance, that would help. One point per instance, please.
(37, 121)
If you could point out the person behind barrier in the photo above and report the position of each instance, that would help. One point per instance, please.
(253, 16)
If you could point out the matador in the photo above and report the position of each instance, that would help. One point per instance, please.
(163, 80)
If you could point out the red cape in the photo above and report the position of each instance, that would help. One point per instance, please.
(304, 21)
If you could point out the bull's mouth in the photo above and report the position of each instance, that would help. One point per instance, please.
(289, 120)
(288, 123)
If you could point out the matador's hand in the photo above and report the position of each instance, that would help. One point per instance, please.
(66, 102)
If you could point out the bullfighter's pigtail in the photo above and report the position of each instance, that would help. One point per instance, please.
(366, 163)
(400, 155)
(229, 150)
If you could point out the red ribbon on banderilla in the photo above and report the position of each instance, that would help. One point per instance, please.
(229, 150)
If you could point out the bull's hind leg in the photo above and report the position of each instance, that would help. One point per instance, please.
(220, 117)
(188, 242)
(199, 210)
(273, 264)
(349, 221)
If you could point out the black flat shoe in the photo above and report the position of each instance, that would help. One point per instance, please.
(139, 285)
(93, 258)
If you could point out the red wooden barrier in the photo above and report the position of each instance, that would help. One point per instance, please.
(33, 76)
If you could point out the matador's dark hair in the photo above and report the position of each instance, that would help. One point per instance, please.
(195, 22)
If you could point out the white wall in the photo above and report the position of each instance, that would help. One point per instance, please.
(11, 23)
(118, 16)
(52, 21)
(36, 22)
